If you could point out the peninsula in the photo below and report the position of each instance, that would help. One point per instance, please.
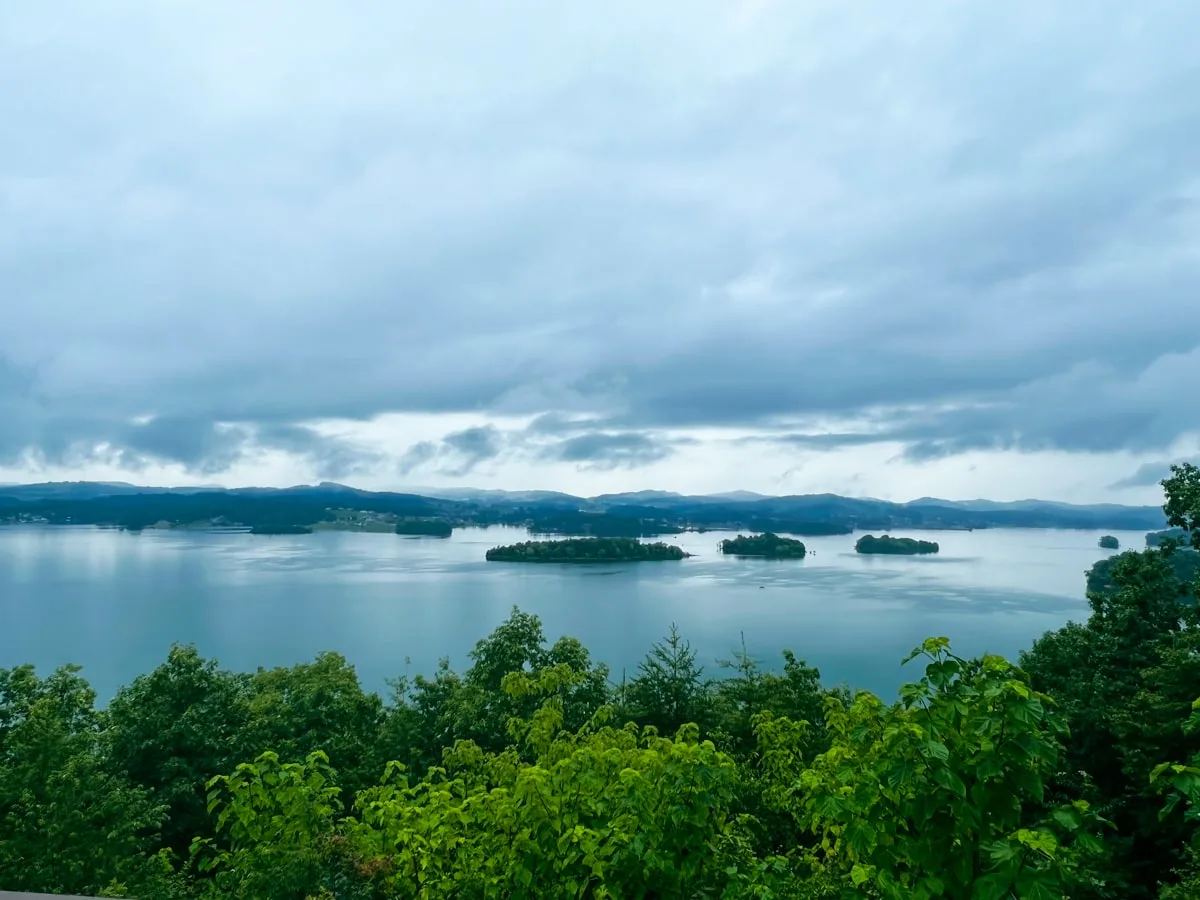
(1180, 536)
(768, 546)
(586, 550)
(868, 543)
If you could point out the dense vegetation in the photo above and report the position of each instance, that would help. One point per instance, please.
(426, 527)
(1184, 565)
(868, 543)
(1156, 538)
(586, 550)
(769, 545)
(1108, 542)
(532, 774)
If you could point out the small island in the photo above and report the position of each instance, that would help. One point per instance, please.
(768, 546)
(1108, 542)
(886, 544)
(425, 527)
(281, 529)
(586, 550)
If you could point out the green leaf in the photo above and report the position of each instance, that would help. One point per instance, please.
(949, 781)
(937, 750)
(861, 874)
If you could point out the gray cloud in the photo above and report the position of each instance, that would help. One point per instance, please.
(200, 446)
(457, 454)
(619, 221)
(603, 450)
(332, 458)
(1150, 474)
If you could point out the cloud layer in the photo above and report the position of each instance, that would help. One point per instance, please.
(824, 226)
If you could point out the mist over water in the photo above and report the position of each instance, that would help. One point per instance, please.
(114, 601)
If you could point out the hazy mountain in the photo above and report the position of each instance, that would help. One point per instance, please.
(737, 496)
(495, 495)
(641, 497)
(82, 490)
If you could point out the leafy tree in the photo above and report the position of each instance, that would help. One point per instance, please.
(173, 729)
(1183, 500)
(1124, 681)
(941, 795)
(669, 690)
(66, 823)
(279, 820)
(297, 710)
(601, 812)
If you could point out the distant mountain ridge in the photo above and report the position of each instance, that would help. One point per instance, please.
(663, 510)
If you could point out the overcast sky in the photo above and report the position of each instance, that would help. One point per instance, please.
(889, 248)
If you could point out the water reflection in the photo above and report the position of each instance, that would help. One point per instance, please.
(115, 601)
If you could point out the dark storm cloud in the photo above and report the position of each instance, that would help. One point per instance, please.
(198, 445)
(332, 458)
(456, 454)
(602, 450)
(620, 221)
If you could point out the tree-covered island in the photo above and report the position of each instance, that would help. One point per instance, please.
(586, 550)
(886, 544)
(768, 546)
(1108, 542)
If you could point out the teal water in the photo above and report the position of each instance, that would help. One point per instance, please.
(114, 602)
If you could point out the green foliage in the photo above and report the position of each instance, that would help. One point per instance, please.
(66, 824)
(279, 821)
(943, 794)
(604, 812)
(668, 691)
(586, 550)
(1183, 500)
(868, 543)
(1184, 565)
(1125, 679)
(318, 706)
(173, 729)
(768, 545)
(1156, 538)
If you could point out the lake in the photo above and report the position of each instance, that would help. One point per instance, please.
(114, 601)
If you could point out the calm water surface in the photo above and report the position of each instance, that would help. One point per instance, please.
(114, 602)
